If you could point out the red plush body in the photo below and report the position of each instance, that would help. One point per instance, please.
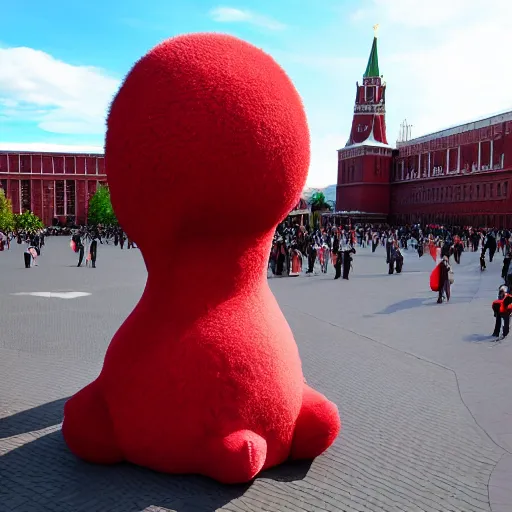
(435, 278)
(207, 148)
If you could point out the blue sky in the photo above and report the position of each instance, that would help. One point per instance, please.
(444, 61)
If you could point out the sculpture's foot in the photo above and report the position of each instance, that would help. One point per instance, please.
(87, 427)
(237, 458)
(317, 427)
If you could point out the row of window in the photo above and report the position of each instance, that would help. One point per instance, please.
(47, 164)
(463, 219)
(64, 196)
(59, 195)
(487, 155)
(458, 193)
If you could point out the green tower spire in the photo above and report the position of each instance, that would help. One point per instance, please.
(372, 69)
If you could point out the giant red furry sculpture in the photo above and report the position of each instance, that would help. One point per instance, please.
(207, 147)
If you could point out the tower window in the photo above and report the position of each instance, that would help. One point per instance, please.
(369, 94)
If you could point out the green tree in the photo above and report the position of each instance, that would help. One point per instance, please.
(27, 222)
(6, 215)
(318, 202)
(100, 208)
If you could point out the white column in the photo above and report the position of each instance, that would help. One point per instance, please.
(403, 167)
(458, 160)
(492, 155)
(448, 161)
(419, 165)
(429, 164)
(479, 156)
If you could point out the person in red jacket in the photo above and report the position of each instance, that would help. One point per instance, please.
(502, 308)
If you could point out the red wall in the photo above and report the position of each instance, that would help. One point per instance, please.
(363, 197)
(43, 170)
(468, 195)
(465, 197)
(363, 180)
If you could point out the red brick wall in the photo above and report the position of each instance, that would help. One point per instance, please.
(37, 197)
(48, 202)
(14, 193)
(47, 164)
(14, 163)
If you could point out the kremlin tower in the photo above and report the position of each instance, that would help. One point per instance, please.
(364, 164)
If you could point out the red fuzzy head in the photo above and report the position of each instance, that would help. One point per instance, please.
(206, 129)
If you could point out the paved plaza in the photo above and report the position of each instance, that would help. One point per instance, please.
(424, 396)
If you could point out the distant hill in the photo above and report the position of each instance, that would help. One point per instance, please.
(329, 193)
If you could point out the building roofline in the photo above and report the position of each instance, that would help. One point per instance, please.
(481, 122)
(39, 148)
(367, 143)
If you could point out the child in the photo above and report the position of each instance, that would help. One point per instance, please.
(482, 260)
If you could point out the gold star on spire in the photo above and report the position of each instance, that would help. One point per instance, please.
(376, 30)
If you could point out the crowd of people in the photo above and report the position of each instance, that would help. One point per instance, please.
(295, 244)
(83, 241)
(303, 250)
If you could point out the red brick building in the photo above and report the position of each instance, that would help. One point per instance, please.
(51, 184)
(461, 175)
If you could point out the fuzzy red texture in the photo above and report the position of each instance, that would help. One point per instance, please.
(207, 150)
(435, 278)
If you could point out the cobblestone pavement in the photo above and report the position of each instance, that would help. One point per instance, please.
(423, 394)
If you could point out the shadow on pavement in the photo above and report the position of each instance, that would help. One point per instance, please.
(37, 418)
(405, 304)
(479, 338)
(44, 475)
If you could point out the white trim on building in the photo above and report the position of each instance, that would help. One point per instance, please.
(455, 130)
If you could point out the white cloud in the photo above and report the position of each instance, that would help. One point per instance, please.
(232, 15)
(60, 97)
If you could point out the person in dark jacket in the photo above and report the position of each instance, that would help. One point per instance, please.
(444, 280)
(347, 262)
(337, 255)
(501, 308)
(79, 248)
(506, 265)
(490, 243)
(399, 261)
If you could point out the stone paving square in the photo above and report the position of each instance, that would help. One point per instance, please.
(424, 395)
